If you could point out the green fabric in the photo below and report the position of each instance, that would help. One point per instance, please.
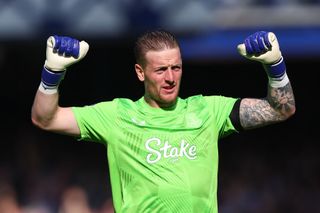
(160, 160)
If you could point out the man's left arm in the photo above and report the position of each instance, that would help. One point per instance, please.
(279, 104)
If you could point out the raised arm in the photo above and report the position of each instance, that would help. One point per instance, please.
(279, 104)
(46, 113)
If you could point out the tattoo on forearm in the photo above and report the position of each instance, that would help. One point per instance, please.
(260, 112)
(281, 99)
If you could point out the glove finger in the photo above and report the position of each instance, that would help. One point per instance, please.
(254, 43)
(57, 42)
(83, 49)
(262, 42)
(63, 45)
(75, 48)
(72, 49)
(248, 46)
(242, 49)
(67, 49)
(267, 41)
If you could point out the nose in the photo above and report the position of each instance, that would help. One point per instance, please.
(169, 77)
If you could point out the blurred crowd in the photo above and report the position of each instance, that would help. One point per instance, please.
(37, 177)
(277, 180)
(73, 199)
(34, 18)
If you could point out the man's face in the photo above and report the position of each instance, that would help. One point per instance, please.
(161, 77)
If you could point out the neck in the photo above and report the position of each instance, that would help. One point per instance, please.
(156, 104)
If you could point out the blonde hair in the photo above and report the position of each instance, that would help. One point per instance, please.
(153, 41)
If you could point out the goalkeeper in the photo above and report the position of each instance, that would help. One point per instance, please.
(162, 149)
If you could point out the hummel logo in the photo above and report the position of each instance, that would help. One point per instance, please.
(139, 123)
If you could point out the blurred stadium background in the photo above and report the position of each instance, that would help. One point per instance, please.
(274, 169)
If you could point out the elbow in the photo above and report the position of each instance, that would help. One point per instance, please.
(40, 123)
(36, 122)
(289, 112)
(292, 111)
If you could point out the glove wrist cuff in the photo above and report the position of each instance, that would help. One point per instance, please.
(279, 82)
(276, 70)
(51, 80)
(277, 74)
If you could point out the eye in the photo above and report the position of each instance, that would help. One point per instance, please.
(161, 69)
(176, 67)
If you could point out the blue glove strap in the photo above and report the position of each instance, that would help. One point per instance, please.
(50, 78)
(276, 70)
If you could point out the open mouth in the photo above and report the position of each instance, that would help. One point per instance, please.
(169, 89)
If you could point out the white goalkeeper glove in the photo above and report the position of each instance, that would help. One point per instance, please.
(64, 51)
(264, 47)
(61, 52)
(261, 46)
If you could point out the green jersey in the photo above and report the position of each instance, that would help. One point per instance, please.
(160, 160)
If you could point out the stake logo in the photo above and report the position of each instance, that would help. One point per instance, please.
(158, 150)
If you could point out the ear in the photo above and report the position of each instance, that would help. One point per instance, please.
(139, 72)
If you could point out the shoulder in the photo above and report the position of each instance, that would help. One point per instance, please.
(106, 106)
(195, 103)
(207, 100)
(219, 100)
(194, 99)
(116, 102)
(214, 103)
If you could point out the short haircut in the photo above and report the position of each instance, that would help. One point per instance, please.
(153, 41)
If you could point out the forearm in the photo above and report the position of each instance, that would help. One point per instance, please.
(45, 106)
(44, 109)
(281, 100)
(278, 106)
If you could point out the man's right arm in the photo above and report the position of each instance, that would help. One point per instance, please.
(46, 113)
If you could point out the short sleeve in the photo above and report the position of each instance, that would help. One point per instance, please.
(95, 121)
(221, 108)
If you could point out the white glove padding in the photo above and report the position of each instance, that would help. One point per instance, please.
(64, 51)
(261, 46)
